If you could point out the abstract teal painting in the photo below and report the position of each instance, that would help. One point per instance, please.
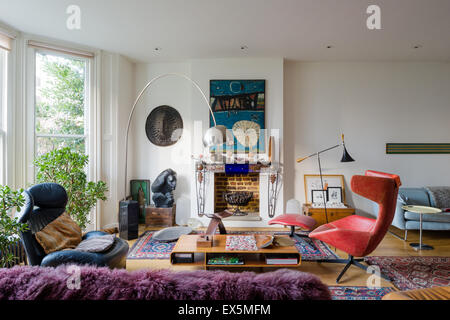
(239, 105)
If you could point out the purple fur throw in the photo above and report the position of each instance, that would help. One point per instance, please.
(30, 283)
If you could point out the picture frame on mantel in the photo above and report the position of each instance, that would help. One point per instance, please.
(312, 182)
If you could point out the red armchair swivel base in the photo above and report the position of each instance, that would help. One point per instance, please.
(359, 236)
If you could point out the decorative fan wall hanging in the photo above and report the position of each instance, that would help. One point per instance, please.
(246, 132)
(164, 126)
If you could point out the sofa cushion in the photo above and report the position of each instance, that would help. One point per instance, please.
(62, 233)
(439, 196)
(413, 196)
(96, 244)
(436, 217)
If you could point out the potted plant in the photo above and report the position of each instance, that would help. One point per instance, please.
(9, 226)
(67, 168)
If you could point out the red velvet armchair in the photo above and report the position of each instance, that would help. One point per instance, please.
(356, 235)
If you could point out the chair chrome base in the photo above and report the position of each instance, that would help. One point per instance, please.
(418, 246)
(351, 261)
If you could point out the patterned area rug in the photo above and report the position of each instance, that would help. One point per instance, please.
(146, 248)
(358, 293)
(414, 272)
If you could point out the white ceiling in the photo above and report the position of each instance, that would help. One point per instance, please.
(293, 29)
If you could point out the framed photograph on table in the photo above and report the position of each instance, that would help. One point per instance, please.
(318, 197)
(335, 194)
(312, 182)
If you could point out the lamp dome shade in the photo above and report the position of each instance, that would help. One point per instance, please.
(346, 156)
(215, 136)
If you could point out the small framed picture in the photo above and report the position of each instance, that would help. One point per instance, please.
(140, 191)
(313, 182)
(335, 194)
(318, 196)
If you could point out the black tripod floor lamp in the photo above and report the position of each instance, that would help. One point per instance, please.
(345, 158)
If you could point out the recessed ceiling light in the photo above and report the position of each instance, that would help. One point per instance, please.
(244, 47)
(417, 46)
(329, 46)
(157, 49)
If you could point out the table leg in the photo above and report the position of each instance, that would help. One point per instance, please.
(420, 245)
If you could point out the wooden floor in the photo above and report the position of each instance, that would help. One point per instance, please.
(390, 246)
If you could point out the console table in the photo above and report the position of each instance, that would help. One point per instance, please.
(252, 259)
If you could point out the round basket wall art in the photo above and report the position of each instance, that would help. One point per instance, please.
(164, 126)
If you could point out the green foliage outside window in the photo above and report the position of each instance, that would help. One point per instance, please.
(60, 103)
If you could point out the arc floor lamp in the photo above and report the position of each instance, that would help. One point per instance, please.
(345, 158)
(129, 210)
(213, 136)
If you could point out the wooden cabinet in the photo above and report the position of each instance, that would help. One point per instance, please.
(159, 217)
(333, 213)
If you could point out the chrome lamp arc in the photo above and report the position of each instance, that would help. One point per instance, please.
(214, 136)
(345, 158)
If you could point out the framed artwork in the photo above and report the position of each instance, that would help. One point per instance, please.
(417, 148)
(239, 105)
(312, 182)
(318, 196)
(140, 191)
(335, 194)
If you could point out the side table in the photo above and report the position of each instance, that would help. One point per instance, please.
(421, 210)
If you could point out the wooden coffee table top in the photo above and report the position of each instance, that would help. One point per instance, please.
(188, 243)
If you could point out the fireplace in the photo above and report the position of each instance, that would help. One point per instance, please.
(224, 183)
(213, 180)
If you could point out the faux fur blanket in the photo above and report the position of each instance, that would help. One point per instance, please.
(31, 283)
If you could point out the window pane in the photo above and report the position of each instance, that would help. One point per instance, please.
(60, 94)
(46, 144)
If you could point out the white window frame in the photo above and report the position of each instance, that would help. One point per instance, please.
(87, 103)
(92, 115)
(3, 114)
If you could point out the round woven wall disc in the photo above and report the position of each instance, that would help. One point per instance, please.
(164, 126)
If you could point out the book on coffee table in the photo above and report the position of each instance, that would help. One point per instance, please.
(241, 243)
(281, 259)
(225, 260)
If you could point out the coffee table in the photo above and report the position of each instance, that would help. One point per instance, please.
(421, 210)
(187, 244)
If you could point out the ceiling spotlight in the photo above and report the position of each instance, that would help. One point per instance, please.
(244, 47)
(157, 49)
(417, 46)
(329, 46)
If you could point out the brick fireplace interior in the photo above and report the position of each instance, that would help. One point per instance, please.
(236, 182)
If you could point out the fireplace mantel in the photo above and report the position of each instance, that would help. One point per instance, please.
(270, 179)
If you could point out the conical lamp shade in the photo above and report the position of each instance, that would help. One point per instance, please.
(346, 157)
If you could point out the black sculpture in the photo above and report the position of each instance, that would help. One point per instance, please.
(163, 187)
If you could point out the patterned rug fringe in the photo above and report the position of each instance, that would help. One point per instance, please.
(358, 293)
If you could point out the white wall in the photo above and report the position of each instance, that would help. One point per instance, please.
(148, 160)
(372, 103)
(117, 95)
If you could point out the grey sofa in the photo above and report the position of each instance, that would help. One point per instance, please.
(406, 220)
